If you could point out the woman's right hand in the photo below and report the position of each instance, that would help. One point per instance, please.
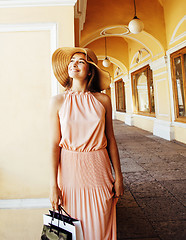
(56, 197)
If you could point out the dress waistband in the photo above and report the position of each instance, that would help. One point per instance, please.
(83, 152)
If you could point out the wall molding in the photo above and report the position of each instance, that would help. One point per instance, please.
(159, 63)
(173, 38)
(140, 66)
(141, 57)
(118, 78)
(36, 3)
(179, 124)
(144, 117)
(159, 74)
(176, 48)
(29, 27)
(25, 203)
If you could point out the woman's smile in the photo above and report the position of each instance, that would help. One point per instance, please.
(78, 67)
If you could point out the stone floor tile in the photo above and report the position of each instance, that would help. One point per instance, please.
(171, 230)
(172, 155)
(167, 174)
(154, 165)
(143, 157)
(149, 189)
(138, 177)
(162, 208)
(127, 200)
(132, 224)
(177, 188)
(182, 152)
(130, 166)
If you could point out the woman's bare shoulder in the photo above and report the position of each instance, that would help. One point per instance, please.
(103, 98)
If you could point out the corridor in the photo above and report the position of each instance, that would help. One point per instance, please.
(154, 170)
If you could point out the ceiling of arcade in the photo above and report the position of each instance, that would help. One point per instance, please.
(112, 16)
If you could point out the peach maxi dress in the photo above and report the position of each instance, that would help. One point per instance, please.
(85, 176)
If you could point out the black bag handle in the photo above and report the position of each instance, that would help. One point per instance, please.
(52, 219)
(61, 209)
(60, 215)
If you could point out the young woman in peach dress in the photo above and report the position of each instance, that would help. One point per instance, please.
(83, 145)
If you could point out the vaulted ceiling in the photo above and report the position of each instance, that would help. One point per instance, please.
(115, 16)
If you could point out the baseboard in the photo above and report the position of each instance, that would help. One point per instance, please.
(129, 120)
(24, 203)
(163, 129)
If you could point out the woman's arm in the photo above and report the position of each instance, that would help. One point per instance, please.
(112, 148)
(55, 137)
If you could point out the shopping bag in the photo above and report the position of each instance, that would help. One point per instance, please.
(64, 224)
(51, 232)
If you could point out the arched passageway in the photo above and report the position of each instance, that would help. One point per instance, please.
(163, 34)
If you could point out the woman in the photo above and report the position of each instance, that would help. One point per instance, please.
(83, 144)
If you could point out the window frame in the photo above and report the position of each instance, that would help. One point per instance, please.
(179, 53)
(135, 93)
(116, 94)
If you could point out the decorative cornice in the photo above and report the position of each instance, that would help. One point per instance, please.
(36, 3)
(176, 48)
(80, 12)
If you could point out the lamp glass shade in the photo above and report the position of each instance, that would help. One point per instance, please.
(135, 25)
(106, 62)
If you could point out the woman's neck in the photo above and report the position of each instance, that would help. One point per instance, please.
(78, 86)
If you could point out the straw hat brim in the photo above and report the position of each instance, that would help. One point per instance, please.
(61, 59)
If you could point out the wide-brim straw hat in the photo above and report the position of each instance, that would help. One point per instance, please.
(61, 59)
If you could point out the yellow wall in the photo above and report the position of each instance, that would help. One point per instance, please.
(25, 92)
(120, 116)
(133, 48)
(23, 224)
(174, 11)
(180, 133)
(62, 15)
(143, 122)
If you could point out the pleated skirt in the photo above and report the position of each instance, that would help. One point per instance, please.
(86, 182)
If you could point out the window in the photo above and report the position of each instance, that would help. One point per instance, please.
(143, 91)
(120, 96)
(178, 64)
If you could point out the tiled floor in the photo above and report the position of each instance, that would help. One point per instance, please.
(154, 170)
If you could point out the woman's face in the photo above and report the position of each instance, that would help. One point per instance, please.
(78, 67)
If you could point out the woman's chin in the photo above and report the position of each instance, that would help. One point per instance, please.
(73, 74)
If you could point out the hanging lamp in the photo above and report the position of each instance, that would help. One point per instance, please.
(135, 25)
(106, 62)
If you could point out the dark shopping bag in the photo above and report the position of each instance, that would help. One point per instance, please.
(54, 233)
(61, 227)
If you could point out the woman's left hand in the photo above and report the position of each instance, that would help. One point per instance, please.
(118, 188)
